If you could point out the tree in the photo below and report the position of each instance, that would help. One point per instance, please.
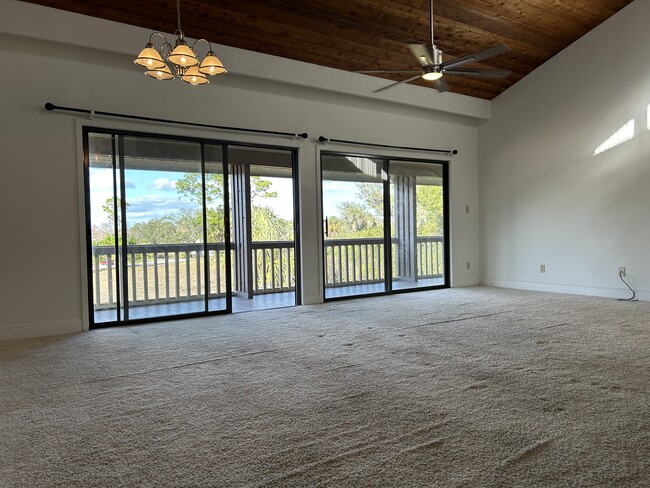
(104, 235)
(267, 226)
(109, 208)
(364, 217)
(429, 210)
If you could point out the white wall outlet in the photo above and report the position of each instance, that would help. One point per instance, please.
(466, 208)
(468, 265)
(621, 271)
(542, 268)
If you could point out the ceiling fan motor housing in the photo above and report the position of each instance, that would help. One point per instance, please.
(436, 55)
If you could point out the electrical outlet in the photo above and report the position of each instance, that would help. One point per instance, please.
(621, 271)
(468, 265)
(467, 209)
(542, 268)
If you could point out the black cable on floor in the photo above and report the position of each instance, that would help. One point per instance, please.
(633, 297)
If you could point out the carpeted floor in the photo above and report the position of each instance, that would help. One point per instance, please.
(474, 387)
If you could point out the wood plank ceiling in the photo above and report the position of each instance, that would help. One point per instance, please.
(373, 34)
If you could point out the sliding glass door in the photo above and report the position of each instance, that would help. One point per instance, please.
(353, 212)
(157, 227)
(384, 225)
(263, 227)
(417, 224)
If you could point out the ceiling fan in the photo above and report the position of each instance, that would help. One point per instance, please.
(433, 68)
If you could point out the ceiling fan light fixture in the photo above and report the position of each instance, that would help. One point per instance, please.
(432, 75)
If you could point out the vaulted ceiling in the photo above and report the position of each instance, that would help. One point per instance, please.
(373, 34)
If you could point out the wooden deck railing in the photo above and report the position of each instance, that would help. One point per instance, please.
(165, 273)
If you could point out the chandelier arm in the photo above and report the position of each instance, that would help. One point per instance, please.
(159, 34)
(204, 40)
(166, 49)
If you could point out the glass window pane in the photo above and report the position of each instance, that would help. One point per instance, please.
(215, 224)
(102, 180)
(353, 210)
(417, 224)
(262, 203)
(163, 199)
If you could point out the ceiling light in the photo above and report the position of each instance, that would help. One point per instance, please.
(432, 75)
(182, 58)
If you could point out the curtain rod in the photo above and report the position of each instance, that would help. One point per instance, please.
(324, 139)
(50, 106)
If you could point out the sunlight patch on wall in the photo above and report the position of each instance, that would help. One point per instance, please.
(623, 134)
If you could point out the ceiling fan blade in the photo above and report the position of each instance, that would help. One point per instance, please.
(398, 83)
(370, 71)
(423, 54)
(488, 53)
(441, 85)
(486, 73)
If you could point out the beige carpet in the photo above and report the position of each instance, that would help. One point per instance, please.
(475, 387)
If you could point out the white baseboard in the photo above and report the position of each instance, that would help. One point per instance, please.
(40, 330)
(594, 291)
(464, 283)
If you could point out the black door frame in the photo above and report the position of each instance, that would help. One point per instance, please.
(117, 136)
(388, 249)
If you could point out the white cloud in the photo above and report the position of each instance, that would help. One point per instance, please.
(153, 206)
(102, 179)
(163, 184)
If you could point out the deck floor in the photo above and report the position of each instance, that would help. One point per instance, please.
(239, 304)
(357, 290)
(258, 302)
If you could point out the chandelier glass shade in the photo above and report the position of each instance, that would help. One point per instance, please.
(182, 58)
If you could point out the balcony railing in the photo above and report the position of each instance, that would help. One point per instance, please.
(361, 261)
(165, 273)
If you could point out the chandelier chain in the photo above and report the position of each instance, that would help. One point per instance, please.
(178, 16)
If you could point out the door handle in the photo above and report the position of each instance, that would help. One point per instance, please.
(327, 228)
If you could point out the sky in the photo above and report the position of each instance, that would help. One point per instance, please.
(153, 194)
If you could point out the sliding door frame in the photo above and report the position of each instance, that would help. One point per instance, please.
(117, 138)
(388, 248)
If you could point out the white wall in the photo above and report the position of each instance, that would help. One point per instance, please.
(41, 285)
(545, 198)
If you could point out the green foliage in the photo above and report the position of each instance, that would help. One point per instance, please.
(429, 210)
(260, 189)
(266, 226)
(364, 217)
(187, 226)
(191, 187)
(109, 208)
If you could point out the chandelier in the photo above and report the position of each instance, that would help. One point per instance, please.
(182, 58)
